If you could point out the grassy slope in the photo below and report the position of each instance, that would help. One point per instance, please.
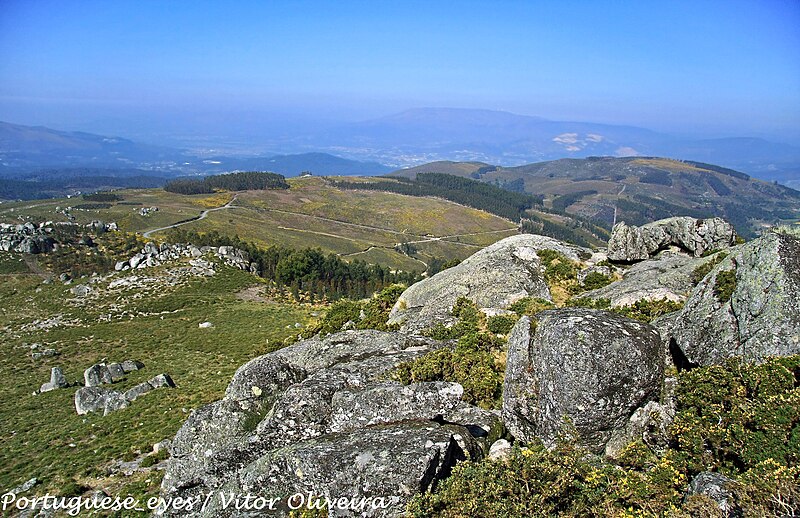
(42, 435)
(356, 224)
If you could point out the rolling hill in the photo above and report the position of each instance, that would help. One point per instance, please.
(363, 225)
(637, 189)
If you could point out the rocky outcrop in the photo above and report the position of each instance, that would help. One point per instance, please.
(96, 399)
(747, 306)
(581, 371)
(694, 236)
(321, 416)
(30, 238)
(668, 276)
(156, 255)
(493, 278)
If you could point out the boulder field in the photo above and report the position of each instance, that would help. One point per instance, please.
(324, 417)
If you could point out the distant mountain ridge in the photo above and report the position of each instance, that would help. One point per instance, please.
(431, 134)
(26, 150)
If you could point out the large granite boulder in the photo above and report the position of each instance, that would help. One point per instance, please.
(322, 416)
(747, 306)
(667, 276)
(694, 236)
(581, 371)
(493, 278)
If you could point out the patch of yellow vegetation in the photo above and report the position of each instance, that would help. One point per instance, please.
(666, 163)
(215, 200)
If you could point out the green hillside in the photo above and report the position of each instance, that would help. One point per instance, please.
(639, 189)
(313, 212)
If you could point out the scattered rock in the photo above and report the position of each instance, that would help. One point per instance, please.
(162, 380)
(97, 374)
(591, 368)
(132, 365)
(57, 380)
(25, 486)
(205, 325)
(747, 306)
(90, 399)
(694, 236)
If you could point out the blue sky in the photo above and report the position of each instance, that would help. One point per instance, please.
(722, 67)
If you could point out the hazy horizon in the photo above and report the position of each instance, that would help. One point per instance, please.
(135, 69)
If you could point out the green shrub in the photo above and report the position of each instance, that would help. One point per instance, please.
(731, 417)
(501, 324)
(585, 302)
(530, 306)
(596, 280)
(474, 362)
(648, 310)
(701, 271)
(724, 285)
(738, 419)
(369, 314)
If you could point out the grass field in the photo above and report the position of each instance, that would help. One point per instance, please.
(42, 435)
(361, 225)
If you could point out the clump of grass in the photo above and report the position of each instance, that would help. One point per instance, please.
(724, 285)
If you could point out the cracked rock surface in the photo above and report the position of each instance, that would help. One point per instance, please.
(762, 316)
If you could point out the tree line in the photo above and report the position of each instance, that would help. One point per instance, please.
(472, 193)
(326, 276)
(249, 181)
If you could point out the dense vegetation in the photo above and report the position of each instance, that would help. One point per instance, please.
(250, 181)
(309, 270)
(102, 197)
(472, 193)
(740, 420)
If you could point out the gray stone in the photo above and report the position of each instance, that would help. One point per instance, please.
(582, 372)
(162, 380)
(330, 391)
(132, 365)
(716, 487)
(352, 408)
(500, 449)
(80, 290)
(648, 424)
(694, 236)
(97, 374)
(120, 265)
(137, 390)
(385, 464)
(90, 399)
(57, 380)
(493, 278)
(116, 371)
(664, 277)
(115, 401)
(761, 318)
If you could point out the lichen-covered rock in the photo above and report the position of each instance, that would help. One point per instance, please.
(90, 399)
(493, 278)
(367, 472)
(329, 397)
(582, 371)
(97, 374)
(665, 277)
(716, 487)
(747, 306)
(695, 236)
